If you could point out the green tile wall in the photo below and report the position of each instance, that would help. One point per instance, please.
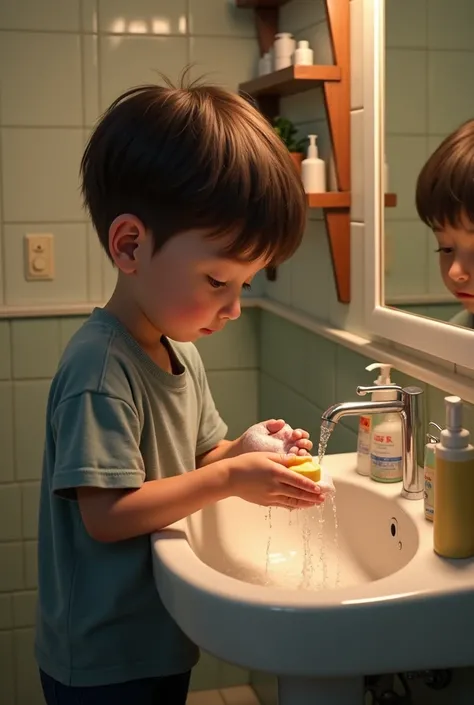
(302, 374)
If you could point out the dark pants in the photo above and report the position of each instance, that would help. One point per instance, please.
(170, 690)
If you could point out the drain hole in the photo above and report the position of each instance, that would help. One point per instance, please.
(393, 526)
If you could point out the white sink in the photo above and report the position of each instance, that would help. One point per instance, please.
(379, 601)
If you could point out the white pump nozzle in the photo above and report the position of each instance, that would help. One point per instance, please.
(453, 413)
(384, 376)
(454, 435)
(312, 149)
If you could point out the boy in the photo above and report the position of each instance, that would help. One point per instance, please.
(445, 202)
(191, 194)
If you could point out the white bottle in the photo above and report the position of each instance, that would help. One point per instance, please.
(283, 50)
(303, 55)
(364, 439)
(265, 64)
(313, 169)
(386, 445)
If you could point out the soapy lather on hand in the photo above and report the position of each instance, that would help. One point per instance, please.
(275, 435)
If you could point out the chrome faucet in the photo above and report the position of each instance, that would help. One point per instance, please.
(409, 404)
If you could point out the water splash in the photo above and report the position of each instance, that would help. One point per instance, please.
(336, 540)
(325, 435)
(307, 569)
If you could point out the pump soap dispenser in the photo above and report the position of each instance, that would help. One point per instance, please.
(364, 439)
(313, 169)
(454, 487)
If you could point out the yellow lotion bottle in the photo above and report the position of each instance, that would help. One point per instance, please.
(454, 487)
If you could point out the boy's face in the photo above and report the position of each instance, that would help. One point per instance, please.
(188, 289)
(456, 261)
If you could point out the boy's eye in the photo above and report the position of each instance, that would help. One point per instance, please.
(445, 250)
(215, 283)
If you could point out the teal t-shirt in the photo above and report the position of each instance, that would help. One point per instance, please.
(114, 420)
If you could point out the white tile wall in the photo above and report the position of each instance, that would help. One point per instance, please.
(405, 22)
(222, 19)
(62, 62)
(47, 15)
(143, 17)
(33, 79)
(129, 60)
(227, 61)
(407, 96)
(40, 175)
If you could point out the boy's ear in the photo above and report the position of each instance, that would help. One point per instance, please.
(126, 234)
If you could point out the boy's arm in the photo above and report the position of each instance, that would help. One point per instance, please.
(111, 515)
(224, 449)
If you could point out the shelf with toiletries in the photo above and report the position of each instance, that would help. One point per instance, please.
(286, 67)
(290, 80)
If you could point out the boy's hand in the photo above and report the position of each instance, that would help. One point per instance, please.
(264, 478)
(274, 436)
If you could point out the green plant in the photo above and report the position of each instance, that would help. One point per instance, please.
(287, 133)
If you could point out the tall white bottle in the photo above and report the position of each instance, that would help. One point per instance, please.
(364, 439)
(386, 445)
(313, 169)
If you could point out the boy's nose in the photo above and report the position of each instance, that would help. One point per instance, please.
(458, 273)
(232, 310)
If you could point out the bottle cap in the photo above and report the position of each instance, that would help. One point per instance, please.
(454, 435)
(312, 149)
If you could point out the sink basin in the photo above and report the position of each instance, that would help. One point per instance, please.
(318, 597)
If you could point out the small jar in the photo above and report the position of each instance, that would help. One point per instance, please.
(303, 55)
(265, 64)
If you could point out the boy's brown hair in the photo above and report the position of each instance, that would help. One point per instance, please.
(195, 156)
(445, 185)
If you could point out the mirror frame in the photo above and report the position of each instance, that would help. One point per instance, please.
(436, 338)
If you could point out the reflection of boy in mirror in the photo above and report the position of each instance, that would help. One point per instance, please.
(445, 202)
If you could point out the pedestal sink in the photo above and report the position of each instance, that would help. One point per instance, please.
(317, 606)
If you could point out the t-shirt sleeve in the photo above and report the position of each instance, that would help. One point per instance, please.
(97, 444)
(212, 428)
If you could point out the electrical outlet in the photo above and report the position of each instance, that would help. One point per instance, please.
(39, 257)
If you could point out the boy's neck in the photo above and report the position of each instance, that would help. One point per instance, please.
(125, 309)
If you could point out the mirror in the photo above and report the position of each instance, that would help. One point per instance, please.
(428, 93)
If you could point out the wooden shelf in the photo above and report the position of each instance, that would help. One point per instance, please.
(335, 83)
(291, 80)
(261, 3)
(331, 199)
(390, 200)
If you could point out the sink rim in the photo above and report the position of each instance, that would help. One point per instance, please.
(215, 610)
(426, 574)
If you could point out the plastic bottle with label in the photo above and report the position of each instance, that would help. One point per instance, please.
(453, 534)
(364, 439)
(386, 444)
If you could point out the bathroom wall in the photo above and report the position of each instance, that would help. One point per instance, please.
(429, 65)
(61, 63)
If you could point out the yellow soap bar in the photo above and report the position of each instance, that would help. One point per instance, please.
(304, 466)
